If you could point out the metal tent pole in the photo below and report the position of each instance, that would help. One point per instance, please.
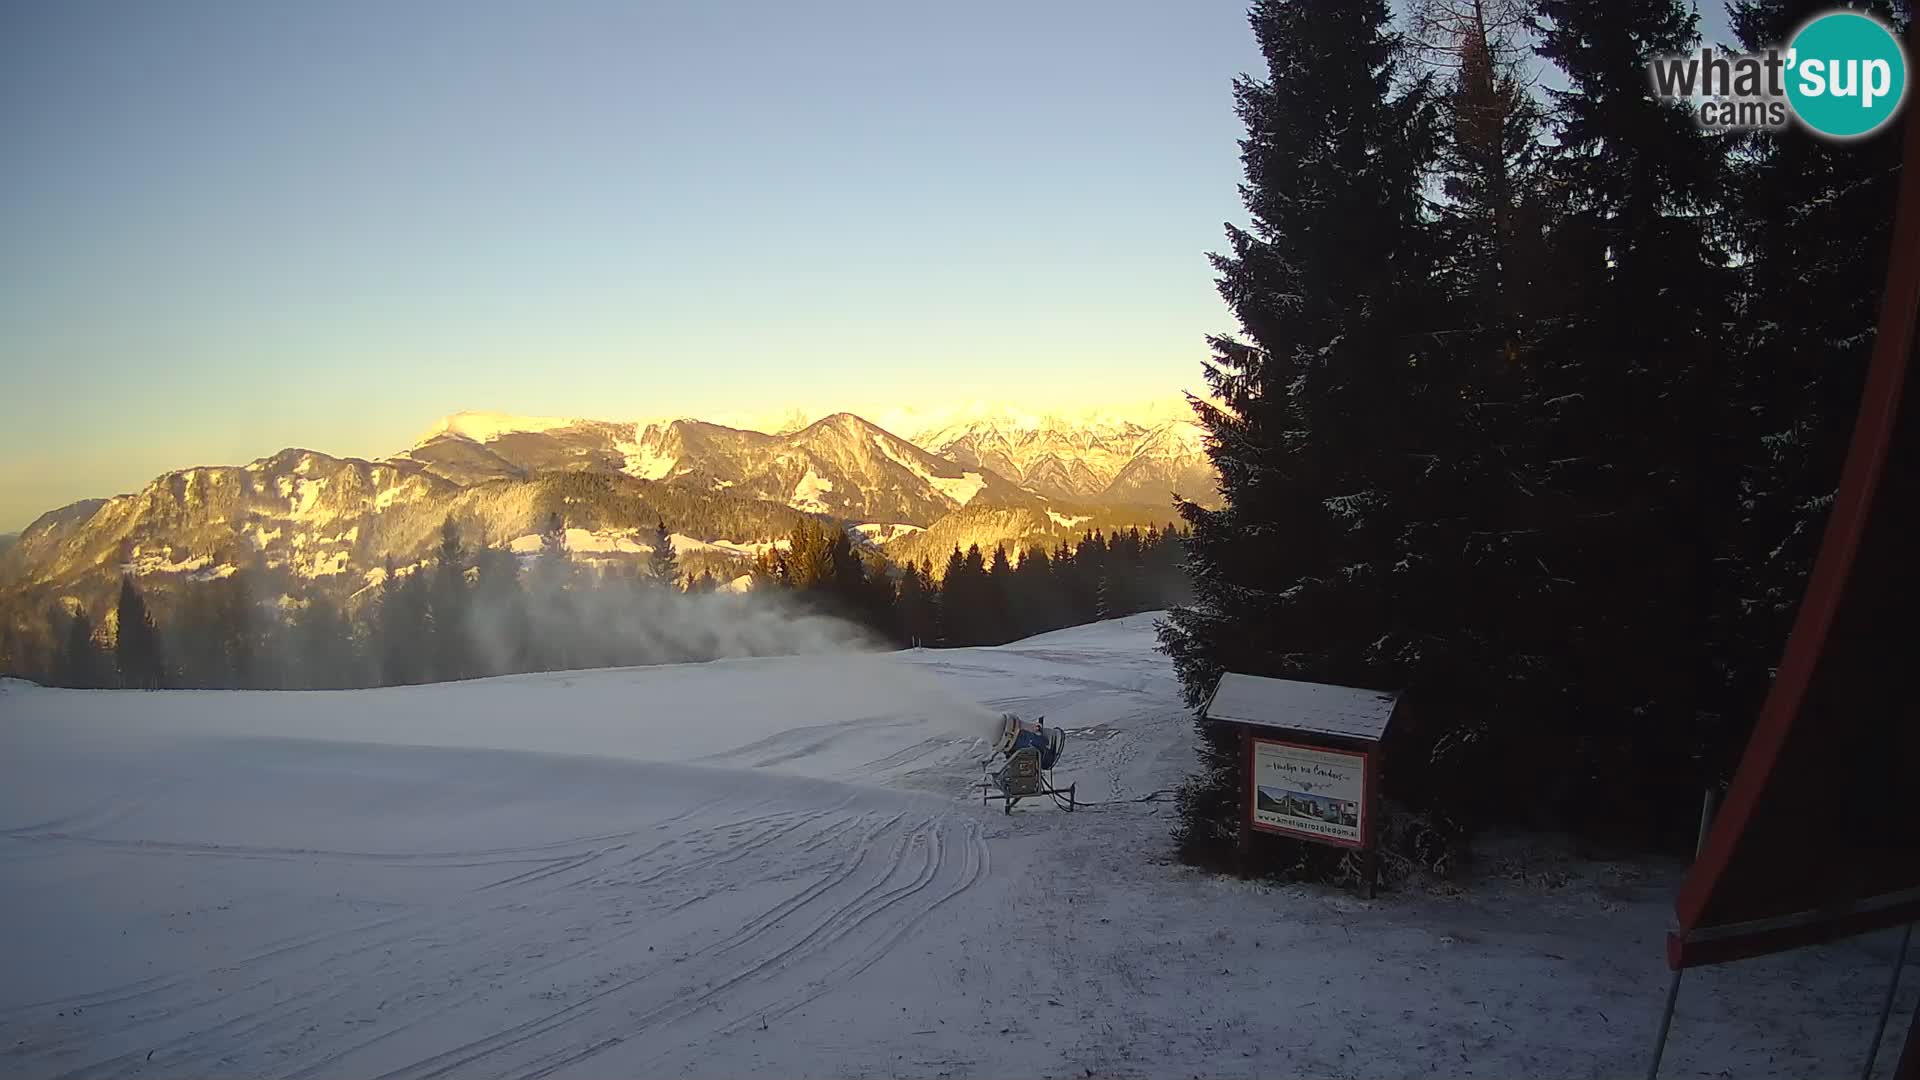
(1886, 1009)
(1908, 1067)
(1666, 1022)
(1707, 805)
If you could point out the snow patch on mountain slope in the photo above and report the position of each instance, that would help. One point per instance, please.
(605, 542)
(753, 550)
(145, 563)
(644, 460)
(320, 565)
(484, 427)
(629, 542)
(881, 532)
(806, 493)
(302, 494)
(307, 494)
(961, 490)
(688, 545)
(886, 447)
(1066, 521)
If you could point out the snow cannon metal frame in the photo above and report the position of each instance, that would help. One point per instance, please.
(1031, 751)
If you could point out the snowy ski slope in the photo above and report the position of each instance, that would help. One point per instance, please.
(771, 867)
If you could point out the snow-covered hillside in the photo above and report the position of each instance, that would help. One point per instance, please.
(775, 867)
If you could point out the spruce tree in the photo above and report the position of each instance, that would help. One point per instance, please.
(976, 596)
(503, 627)
(1321, 426)
(449, 607)
(553, 603)
(80, 663)
(1085, 567)
(136, 647)
(1000, 598)
(1490, 259)
(199, 650)
(851, 597)
(1810, 306)
(1126, 572)
(239, 632)
(880, 599)
(322, 649)
(662, 563)
(1031, 593)
(1635, 423)
(808, 565)
(386, 633)
(930, 621)
(956, 602)
(916, 609)
(404, 627)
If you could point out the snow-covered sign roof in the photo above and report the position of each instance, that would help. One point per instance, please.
(1344, 711)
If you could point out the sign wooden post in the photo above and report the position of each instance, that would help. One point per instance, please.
(1312, 760)
(1245, 842)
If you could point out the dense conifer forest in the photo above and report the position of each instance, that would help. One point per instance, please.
(1536, 407)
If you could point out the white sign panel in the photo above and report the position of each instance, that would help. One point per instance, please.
(1311, 793)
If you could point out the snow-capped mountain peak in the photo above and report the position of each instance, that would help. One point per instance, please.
(1136, 455)
(981, 474)
(484, 427)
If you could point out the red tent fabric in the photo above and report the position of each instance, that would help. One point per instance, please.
(1819, 836)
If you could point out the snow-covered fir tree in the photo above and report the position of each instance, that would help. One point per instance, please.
(1320, 428)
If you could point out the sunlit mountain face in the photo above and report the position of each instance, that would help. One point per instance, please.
(910, 488)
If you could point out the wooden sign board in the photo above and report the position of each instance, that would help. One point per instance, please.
(1311, 792)
(1312, 753)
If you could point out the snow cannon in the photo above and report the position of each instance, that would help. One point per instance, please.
(1030, 750)
(1017, 734)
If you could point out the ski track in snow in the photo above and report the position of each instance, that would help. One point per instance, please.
(607, 931)
(434, 883)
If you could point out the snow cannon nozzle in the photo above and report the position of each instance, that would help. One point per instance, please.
(1017, 734)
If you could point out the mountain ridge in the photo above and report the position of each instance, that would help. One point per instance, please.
(725, 491)
(1143, 455)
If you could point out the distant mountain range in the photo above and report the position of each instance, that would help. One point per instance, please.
(840, 465)
(988, 477)
(1104, 460)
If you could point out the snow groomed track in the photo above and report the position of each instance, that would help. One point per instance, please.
(772, 867)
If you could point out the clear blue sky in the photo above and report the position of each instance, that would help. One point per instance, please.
(233, 226)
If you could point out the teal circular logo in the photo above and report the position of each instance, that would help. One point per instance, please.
(1847, 74)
